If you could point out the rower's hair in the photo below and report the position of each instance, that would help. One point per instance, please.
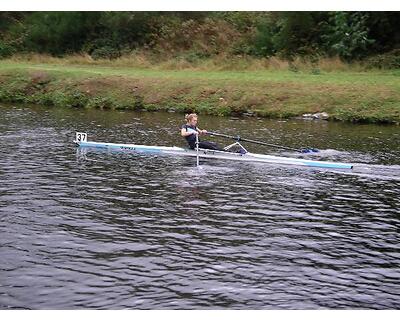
(190, 116)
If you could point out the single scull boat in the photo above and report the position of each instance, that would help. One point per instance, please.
(81, 141)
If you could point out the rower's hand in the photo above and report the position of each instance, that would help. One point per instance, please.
(203, 131)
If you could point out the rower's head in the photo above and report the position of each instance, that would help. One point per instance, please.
(191, 119)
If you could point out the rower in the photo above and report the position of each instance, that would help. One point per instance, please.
(190, 130)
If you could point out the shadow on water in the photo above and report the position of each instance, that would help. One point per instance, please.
(92, 229)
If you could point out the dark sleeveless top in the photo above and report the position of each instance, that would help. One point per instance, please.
(191, 139)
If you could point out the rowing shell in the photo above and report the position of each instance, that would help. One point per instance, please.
(213, 154)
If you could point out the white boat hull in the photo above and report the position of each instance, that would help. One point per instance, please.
(213, 154)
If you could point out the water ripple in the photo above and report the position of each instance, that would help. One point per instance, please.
(122, 230)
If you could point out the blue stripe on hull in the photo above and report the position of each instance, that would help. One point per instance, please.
(328, 165)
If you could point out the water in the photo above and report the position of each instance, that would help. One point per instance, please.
(92, 229)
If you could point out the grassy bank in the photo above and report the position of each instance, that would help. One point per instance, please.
(346, 96)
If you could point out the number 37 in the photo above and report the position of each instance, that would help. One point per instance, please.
(81, 137)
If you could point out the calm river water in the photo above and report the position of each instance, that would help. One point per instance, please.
(92, 229)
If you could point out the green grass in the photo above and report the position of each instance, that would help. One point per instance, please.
(372, 96)
(387, 78)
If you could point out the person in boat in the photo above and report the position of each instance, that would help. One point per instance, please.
(190, 130)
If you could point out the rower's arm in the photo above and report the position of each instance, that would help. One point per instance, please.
(185, 133)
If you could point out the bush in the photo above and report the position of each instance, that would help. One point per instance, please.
(196, 38)
(106, 52)
(73, 98)
(5, 50)
(390, 60)
(58, 33)
(195, 57)
(17, 89)
(263, 41)
(346, 34)
(101, 103)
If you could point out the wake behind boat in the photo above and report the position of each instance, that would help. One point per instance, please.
(242, 155)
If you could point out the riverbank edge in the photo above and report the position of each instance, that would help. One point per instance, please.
(215, 96)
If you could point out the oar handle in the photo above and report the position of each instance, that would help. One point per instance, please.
(238, 138)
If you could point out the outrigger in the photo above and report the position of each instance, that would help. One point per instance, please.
(234, 152)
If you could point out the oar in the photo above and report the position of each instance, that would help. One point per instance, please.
(238, 138)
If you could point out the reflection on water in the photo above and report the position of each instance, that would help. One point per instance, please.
(92, 229)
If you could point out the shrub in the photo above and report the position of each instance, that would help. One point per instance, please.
(347, 35)
(390, 60)
(263, 44)
(6, 50)
(71, 98)
(100, 103)
(15, 90)
(106, 52)
(58, 33)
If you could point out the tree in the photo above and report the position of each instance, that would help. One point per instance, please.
(289, 34)
(347, 35)
(59, 32)
(384, 28)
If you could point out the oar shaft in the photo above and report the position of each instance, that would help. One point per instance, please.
(238, 138)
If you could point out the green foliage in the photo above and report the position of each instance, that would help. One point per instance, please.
(59, 32)
(106, 52)
(243, 21)
(9, 38)
(101, 103)
(289, 34)
(193, 36)
(151, 107)
(264, 45)
(298, 33)
(126, 28)
(384, 29)
(347, 35)
(390, 60)
(195, 57)
(60, 98)
(15, 89)
(6, 50)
